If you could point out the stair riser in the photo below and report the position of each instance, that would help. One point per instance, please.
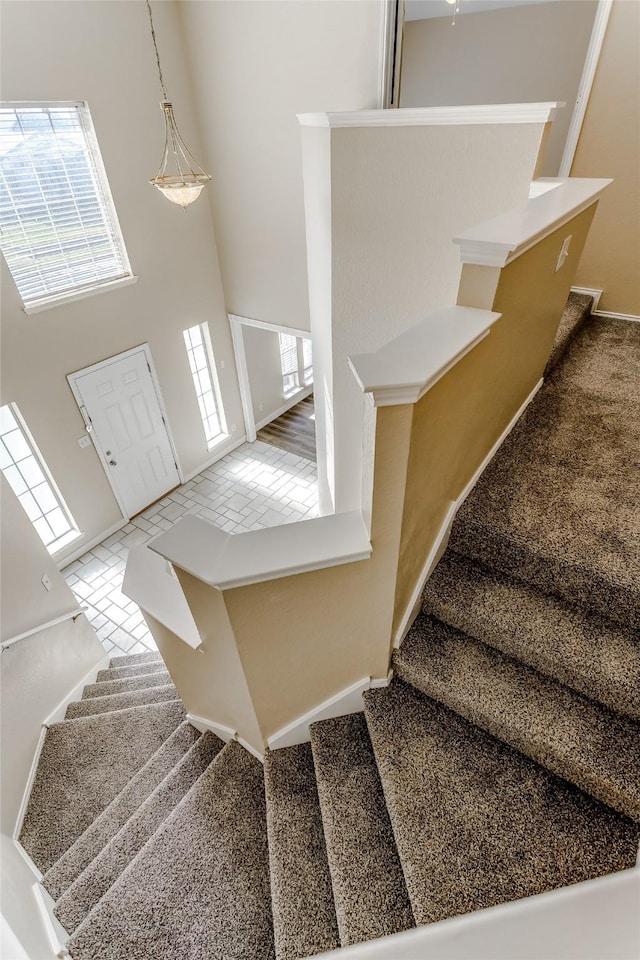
(567, 767)
(120, 701)
(127, 685)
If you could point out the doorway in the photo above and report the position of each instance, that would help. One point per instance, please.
(121, 405)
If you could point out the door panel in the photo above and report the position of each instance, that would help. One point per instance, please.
(129, 430)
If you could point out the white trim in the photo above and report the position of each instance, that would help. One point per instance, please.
(586, 83)
(442, 537)
(225, 733)
(347, 701)
(59, 301)
(222, 449)
(629, 317)
(271, 327)
(499, 241)
(56, 933)
(429, 116)
(86, 547)
(72, 615)
(22, 809)
(403, 370)
(236, 323)
(227, 561)
(291, 402)
(57, 714)
(72, 379)
(587, 291)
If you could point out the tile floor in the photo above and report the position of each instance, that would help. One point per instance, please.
(257, 485)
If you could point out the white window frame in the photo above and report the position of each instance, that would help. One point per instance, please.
(213, 380)
(64, 539)
(103, 190)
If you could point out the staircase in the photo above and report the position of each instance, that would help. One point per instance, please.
(502, 761)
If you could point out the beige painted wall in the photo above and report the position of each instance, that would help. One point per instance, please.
(102, 52)
(255, 65)
(24, 601)
(458, 421)
(262, 352)
(609, 146)
(516, 55)
(380, 249)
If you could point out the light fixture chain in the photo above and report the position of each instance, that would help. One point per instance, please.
(155, 45)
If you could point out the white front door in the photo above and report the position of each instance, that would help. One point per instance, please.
(122, 408)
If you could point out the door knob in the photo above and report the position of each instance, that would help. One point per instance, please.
(112, 463)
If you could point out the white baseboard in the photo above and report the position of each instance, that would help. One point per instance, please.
(442, 538)
(629, 317)
(55, 716)
(291, 402)
(589, 292)
(221, 451)
(609, 314)
(86, 547)
(347, 701)
(225, 733)
(58, 713)
(56, 933)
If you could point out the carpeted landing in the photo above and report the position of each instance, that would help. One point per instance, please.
(502, 761)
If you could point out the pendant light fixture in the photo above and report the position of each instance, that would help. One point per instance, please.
(456, 9)
(180, 178)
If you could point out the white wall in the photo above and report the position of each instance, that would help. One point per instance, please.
(255, 65)
(262, 352)
(533, 52)
(102, 52)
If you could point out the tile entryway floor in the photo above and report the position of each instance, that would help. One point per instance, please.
(257, 485)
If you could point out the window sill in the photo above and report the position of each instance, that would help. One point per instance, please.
(64, 541)
(58, 301)
(218, 440)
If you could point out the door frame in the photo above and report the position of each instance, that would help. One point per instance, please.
(391, 59)
(237, 323)
(72, 379)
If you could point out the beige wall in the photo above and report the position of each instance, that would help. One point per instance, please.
(529, 53)
(459, 420)
(24, 601)
(609, 146)
(381, 254)
(262, 352)
(102, 52)
(255, 65)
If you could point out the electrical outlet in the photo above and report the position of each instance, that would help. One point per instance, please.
(564, 252)
(84, 441)
(46, 582)
(260, 407)
(222, 364)
(233, 428)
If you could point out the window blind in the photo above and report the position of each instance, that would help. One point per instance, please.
(58, 228)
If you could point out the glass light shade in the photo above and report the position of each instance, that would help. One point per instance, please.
(185, 184)
(180, 190)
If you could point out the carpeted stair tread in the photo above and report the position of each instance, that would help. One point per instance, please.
(304, 915)
(576, 312)
(80, 854)
(369, 888)
(120, 701)
(573, 736)
(106, 688)
(84, 764)
(104, 870)
(135, 659)
(200, 886)
(558, 505)
(137, 670)
(477, 823)
(595, 656)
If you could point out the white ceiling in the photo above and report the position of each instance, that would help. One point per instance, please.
(426, 9)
